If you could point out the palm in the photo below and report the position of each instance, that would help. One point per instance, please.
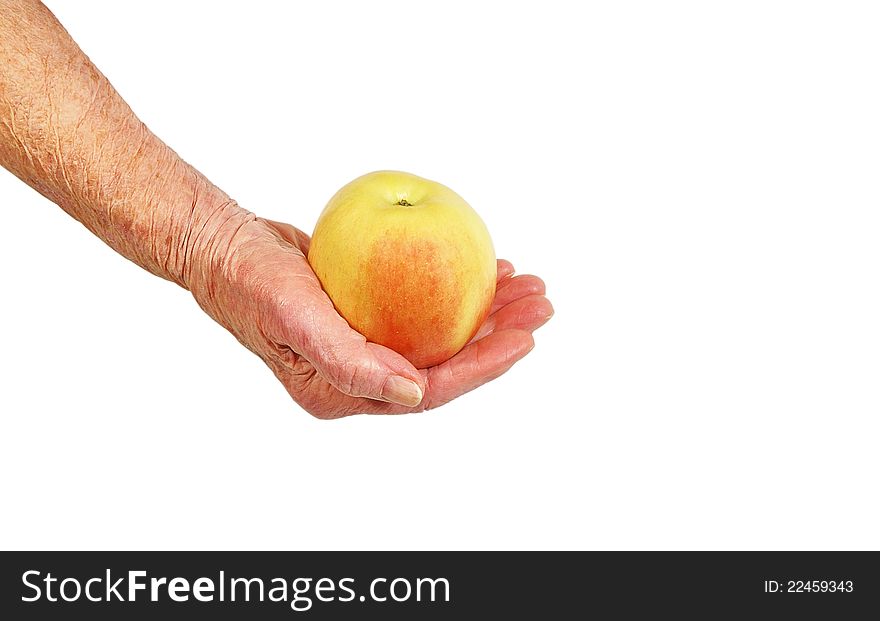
(519, 308)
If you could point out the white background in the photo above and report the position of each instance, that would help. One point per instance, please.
(696, 182)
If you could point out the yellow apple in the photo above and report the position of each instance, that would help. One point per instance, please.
(407, 262)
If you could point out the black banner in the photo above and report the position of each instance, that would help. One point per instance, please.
(437, 585)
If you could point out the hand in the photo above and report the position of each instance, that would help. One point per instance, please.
(264, 292)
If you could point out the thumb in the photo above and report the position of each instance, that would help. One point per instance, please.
(343, 356)
(356, 367)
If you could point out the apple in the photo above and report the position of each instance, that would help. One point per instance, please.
(407, 262)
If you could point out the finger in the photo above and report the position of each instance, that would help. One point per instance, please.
(527, 313)
(292, 235)
(321, 398)
(476, 364)
(472, 367)
(505, 269)
(345, 359)
(514, 288)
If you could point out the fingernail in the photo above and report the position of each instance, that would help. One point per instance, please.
(402, 391)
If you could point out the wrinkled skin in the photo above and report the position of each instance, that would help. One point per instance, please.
(267, 295)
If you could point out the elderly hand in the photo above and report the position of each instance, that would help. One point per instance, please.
(262, 289)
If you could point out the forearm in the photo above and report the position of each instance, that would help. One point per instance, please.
(68, 134)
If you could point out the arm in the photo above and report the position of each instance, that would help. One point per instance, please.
(65, 132)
